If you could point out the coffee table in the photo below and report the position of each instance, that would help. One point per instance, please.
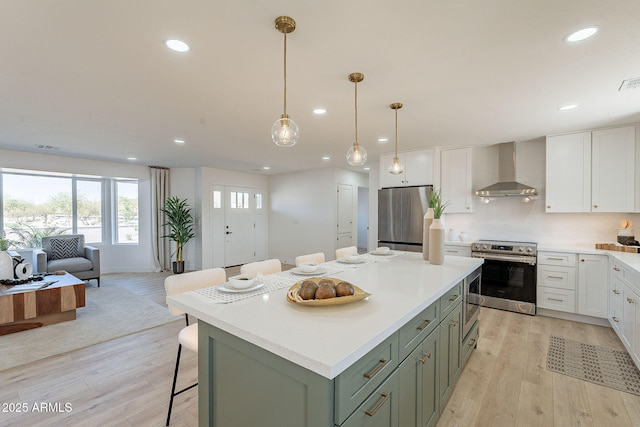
(56, 303)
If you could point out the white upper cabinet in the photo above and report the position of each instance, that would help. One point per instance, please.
(455, 179)
(613, 170)
(418, 169)
(591, 171)
(569, 173)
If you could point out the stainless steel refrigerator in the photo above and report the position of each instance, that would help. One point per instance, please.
(400, 216)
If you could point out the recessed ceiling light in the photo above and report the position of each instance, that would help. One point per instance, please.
(582, 34)
(325, 158)
(266, 168)
(367, 168)
(319, 111)
(568, 107)
(179, 141)
(177, 45)
(383, 139)
(131, 158)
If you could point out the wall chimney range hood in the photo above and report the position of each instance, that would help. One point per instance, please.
(507, 184)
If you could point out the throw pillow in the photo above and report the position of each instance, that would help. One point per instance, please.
(65, 248)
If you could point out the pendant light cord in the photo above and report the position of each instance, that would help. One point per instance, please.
(356, 105)
(396, 133)
(285, 72)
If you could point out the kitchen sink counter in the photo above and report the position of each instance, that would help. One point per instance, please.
(327, 340)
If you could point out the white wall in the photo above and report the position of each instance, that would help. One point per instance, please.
(304, 211)
(113, 258)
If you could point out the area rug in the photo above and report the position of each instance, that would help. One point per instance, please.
(605, 366)
(111, 312)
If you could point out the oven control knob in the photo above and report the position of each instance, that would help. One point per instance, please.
(529, 250)
(484, 246)
(521, 249)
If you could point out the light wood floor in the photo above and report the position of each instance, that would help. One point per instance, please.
(126, 382)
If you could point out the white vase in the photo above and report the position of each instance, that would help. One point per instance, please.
(436, 242)
(428, 219)
(6, 266)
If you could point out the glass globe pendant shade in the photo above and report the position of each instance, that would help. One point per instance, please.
(396, 168)
(285, 132)
(357, 155)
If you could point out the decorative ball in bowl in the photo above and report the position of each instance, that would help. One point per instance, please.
(241, 281)
(382, 250)
(308, 267)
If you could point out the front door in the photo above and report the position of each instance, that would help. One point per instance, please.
(239, 226)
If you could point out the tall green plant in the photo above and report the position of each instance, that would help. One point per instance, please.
(180, 223)
(435, 201)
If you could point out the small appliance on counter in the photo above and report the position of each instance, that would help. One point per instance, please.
(625, 233)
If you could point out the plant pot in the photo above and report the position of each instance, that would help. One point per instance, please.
(178, 267)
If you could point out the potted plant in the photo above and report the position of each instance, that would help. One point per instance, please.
(436, 230)
(180, 223)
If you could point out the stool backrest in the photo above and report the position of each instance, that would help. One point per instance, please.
(317, 257)
(268, 266)
(179, 283)
(350, 250)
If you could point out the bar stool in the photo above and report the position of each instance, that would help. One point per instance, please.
(317, 257)
(349, 250)
(268, 266)
(188, 336)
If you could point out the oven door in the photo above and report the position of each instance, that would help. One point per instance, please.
(509, 280)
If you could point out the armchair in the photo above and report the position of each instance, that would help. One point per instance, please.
(69, 253)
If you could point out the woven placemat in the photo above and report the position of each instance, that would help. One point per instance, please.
(600, 365)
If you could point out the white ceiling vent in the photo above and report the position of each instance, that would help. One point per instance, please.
(46, 147)
(630, 84)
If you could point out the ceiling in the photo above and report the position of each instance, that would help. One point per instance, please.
(93, 78)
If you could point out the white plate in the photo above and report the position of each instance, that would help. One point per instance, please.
(318, 270)
(381, 253)
(355, 261)
(227, 288)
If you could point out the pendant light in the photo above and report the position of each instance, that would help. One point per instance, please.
(285, 132)
(396, 168)
(357, 155)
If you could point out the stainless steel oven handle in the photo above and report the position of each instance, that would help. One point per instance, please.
(521, 260)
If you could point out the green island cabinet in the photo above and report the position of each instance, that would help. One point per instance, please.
(405, 381)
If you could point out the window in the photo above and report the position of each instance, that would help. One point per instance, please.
(36, 204)
(239, 200)
(258, 200)
(127, 208)
(217, 199)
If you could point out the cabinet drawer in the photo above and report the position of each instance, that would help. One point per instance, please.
(417, 329)
(449, 300)
(557, 277)
(470, 342)
(453, 250)
(557, 258)
(557, 299)
(355, 384)
(380, 409)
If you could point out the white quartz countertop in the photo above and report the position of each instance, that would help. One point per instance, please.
(327, 340)
(630, 259)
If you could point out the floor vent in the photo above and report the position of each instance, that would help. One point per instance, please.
(630, 84)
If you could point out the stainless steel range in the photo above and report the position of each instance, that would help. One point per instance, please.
(508, 274)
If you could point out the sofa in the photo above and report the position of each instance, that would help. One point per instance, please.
(69, 253)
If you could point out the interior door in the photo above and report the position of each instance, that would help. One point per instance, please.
(345, 215)
(239, 230)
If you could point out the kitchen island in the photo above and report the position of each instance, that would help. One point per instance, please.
(265, 361)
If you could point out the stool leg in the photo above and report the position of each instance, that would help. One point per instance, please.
(173, 387)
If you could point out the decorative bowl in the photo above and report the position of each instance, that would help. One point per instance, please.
(383, 250)
(308, 267)
(241, 281)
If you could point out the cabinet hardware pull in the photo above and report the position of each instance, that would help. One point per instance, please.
(424, 357)
(472, 341)
(453, 323)
(548, 206)
(556, 259)
(595, 206)
(582, 260)
(555, 299)
(377, 369)
(630, 300)
(453, 298)
(424, 325)
(616, 269)
(451, 250)
(615, 319)
(616, 292)
(372, 412)
(554, 277)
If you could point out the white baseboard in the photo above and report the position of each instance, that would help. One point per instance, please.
(573, 316)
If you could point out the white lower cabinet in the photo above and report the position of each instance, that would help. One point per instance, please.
(457, 250)
(563, 287)
(624, 307)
